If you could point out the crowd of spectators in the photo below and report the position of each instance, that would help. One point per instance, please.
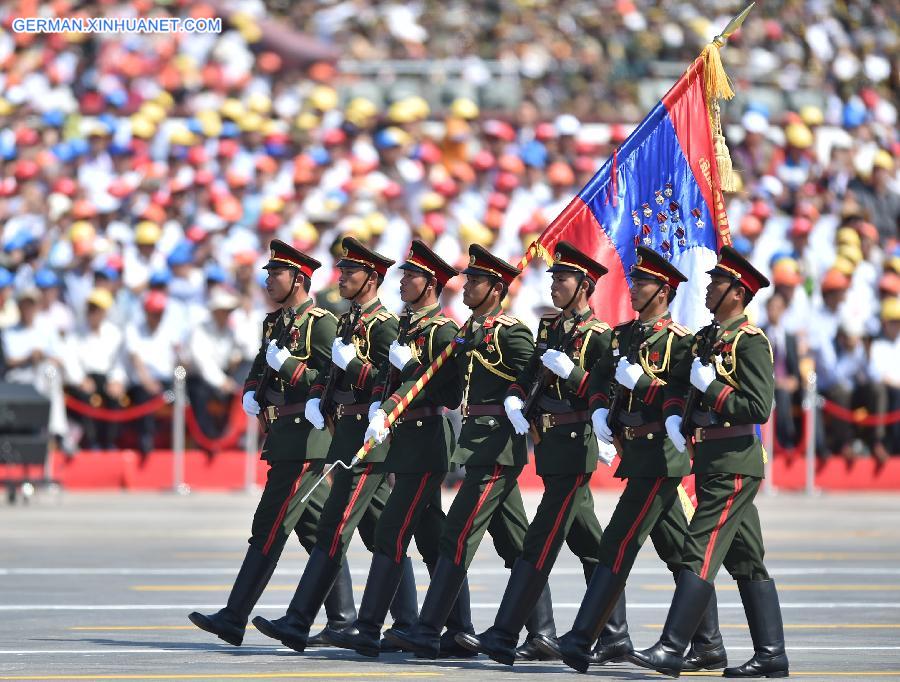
(142, 177)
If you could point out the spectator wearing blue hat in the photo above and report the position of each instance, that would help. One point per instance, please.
(53, 311)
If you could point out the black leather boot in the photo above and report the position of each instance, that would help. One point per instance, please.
(459, 622)
(424, 637)
(229, 623)
(598, 603)
(364, 636)
(540, 639)
(405, 606)
(766, 630)
(707, 651)
(292, 629)
(614, 643)
(339, 608)
(688, 606)
(523, 591)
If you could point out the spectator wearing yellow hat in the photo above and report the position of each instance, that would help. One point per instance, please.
(143, 258)
(94, 368)
(879, 195)
(884, 371)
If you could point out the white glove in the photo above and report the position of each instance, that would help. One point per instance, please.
(702, 375)
(601, 427)
(673, 428)
(558, 362)
(276, 356)
(374, 406)
(628, 374)
(399, 355)
(342, 353)
(313, 413)
(378, 429)
(607, 452)
(513, 406)
(251, 407)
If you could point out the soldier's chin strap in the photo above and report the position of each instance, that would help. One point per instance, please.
(647, 302)
(581, 278)
(424, 289)
(494, 281)
(291, 290)
(363, 285)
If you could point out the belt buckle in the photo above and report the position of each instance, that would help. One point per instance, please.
(546, 421)
(339, 410)
(628, 432)
(698, 434)
(271, 413)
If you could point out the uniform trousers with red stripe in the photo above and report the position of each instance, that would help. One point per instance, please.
(356, 500)
(413, 509)
(647, 507)
(725, 529)
(565, 513)
(280, 510)
(488, 500)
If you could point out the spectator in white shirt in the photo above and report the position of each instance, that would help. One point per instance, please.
(94, 371)
(215, 355)
(884, 371)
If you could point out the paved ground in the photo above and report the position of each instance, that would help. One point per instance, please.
(99, 587)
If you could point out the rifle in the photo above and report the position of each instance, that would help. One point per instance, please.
(705, 342)
(632, 355)
(287, 322)
(336, 373)
(393, 378)
(543, 380)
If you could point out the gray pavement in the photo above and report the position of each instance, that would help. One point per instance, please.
(99, 587)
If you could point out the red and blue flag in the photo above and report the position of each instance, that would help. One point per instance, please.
(659, 189)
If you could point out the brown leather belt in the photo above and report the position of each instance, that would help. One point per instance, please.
(650, 430)
(273, 412)
(483, 410)
(351, 410)
(419, 413)
(702, 433)
(550, 419)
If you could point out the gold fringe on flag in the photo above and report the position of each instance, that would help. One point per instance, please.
(718, 86)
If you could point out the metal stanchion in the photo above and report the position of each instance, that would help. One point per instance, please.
(810, 406)
(179, 387)
(251, 448)
(768, 441)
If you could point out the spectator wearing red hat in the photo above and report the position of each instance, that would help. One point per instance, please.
(152, 350)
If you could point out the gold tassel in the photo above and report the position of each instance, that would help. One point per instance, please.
(718, 87)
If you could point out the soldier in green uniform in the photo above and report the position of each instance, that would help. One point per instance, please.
(494, 350)
(358, 493)
(735, 395)
(566, 450)
(636, 365)
(293, 450)
(421, 442)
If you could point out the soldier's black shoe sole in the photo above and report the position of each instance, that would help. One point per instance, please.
(204, 622)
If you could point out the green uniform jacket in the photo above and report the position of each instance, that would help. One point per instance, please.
(742, 393)
(662, 345)
(292, 437)
(566, 448)
(373, 335)
(421, 445)
(489, 361)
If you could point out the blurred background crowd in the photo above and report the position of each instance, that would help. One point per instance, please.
(143, 176)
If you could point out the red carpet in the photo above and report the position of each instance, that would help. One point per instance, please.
(124, 470)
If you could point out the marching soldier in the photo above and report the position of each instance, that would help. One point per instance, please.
(735, 394)
(359, 493)
(293, 450)
(566, 453)
(494, 351)
(420, 447)
(637, 363)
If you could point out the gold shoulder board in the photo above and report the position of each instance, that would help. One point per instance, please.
(678, 330)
